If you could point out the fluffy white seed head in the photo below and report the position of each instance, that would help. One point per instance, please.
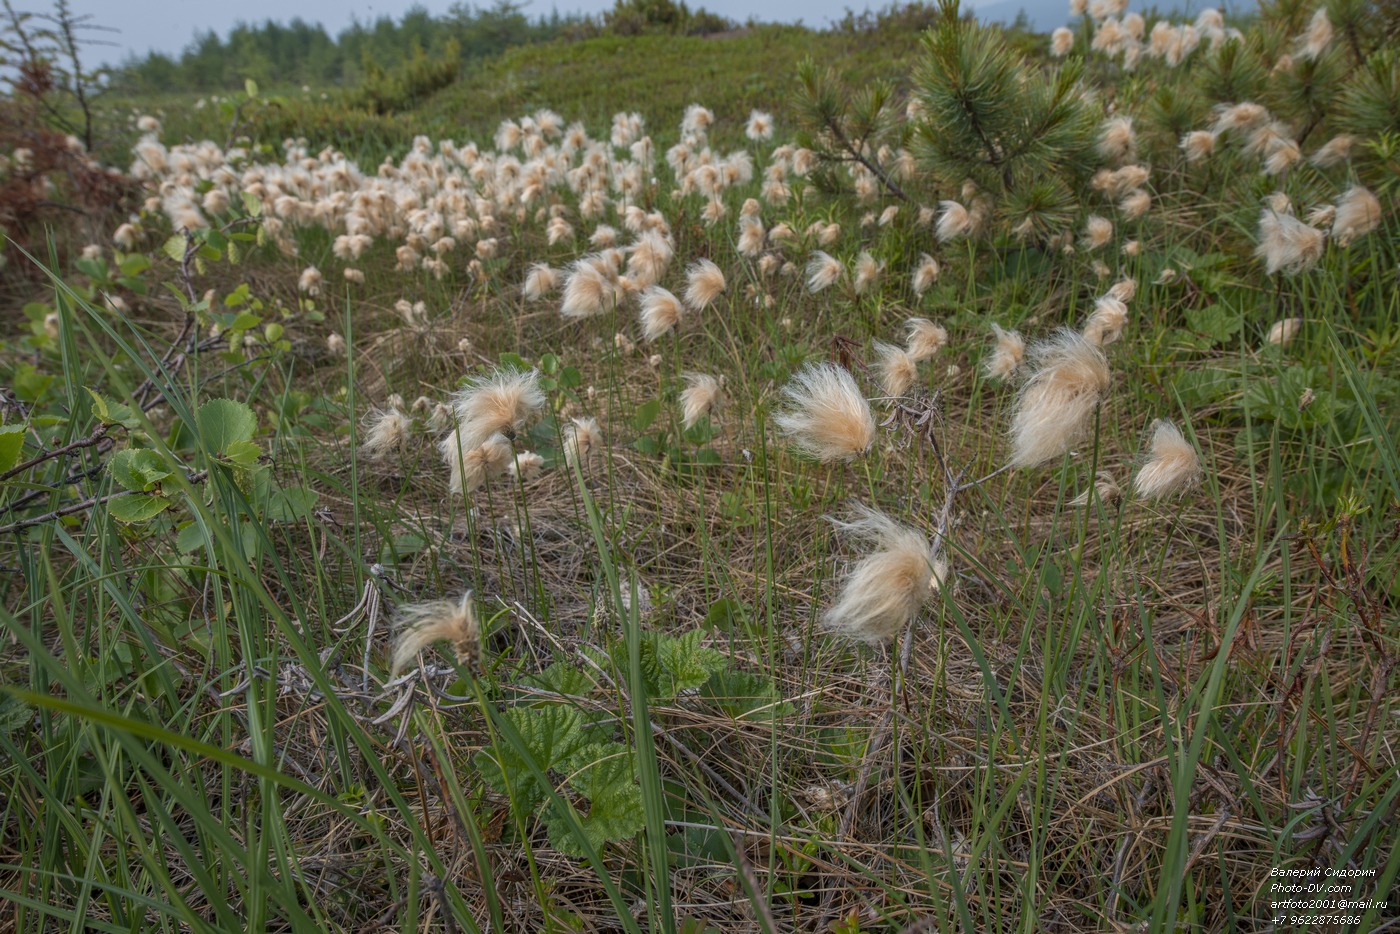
(1286, 244)
(826, 416)
(660, 312)
(540, 281)
(898, 369)
(1055, 408)
(923, 338)
(886, 588)
(700, 397)
(500, 403)
(704, 284)
(386, 432)
(1358, 213)
(1007, 354)
(925, 274)
(868, 271)
(1172, 465)
(440, 621)
(1284, 331)
(1198, 145)
(1105, 488)
(582, 439)
(823, 271)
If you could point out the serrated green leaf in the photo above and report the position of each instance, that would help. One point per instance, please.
(561, 678)
(138, 470)
(113, 413)
(223, 423)
(1217, 322)
(242, 453)
(685, 663)
(745, 696)
(174, 247)
(603, 774)
(552, 734)
(137, 507)
(11, 445)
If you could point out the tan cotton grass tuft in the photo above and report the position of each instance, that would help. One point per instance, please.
(500, 403)
(470, 468)
(660, 312)
(955, 221)
(540, 281)
(898, 369)
(868, 271)
(1056, 405)
(704, 284)
(1172, 465)
(1007, 355)
(701, 397)
(1283, 332)
(923, 338)
(823, 271)
(1286, 244)
(589, 290)
(1117, 142)
(826, 416)
(1105, 324)
(1097, 232)
(525, 466)
(925, 274)
(1105, 489)
(1198, 145)
(386, 432)
(439, 621)
(1358, 213)
(582, 439)
(884, 591)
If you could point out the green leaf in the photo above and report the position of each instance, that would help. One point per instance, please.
(11, 445)
(1217, 322)
(242, 453)
(190, 539)
(223, 423)
(175, 247)
(137, 508)
(561, 678)
(113, 413)
(15, 714)
(603, 774)
(253, 205)
(646, 414)
(291, 504)
(726, 615)
(746, 696)
(251, 87)
(685, 663)
(513, 361)
(552, 734)
(133, 264)
(138, 470)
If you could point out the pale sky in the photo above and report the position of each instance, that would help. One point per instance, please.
(169, 25)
